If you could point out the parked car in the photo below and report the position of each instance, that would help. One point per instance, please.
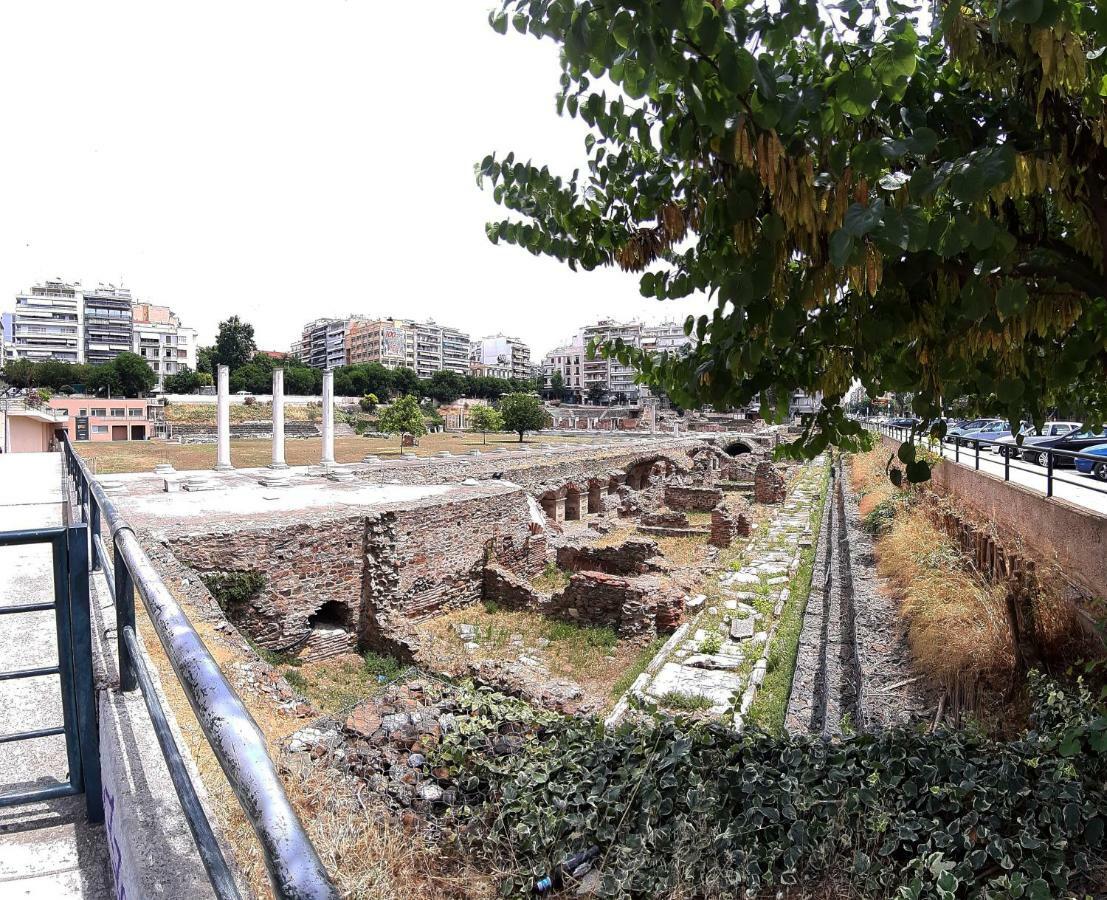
(954, 431)
(992, 430)
(904, 423)
(1007, 446)
(1093, 467)
(1074, 440)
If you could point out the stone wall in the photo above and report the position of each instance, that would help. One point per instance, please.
(665, 519)
(692, 499)
(627, 558)
(372, 574)
(768, 484)
(597, 599)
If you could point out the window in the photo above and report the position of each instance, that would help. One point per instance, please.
(99, 429)
(99, 411)
(118, 413)
(136, 413)
(82, 412)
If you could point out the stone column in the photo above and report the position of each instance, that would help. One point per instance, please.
(278, 421)
(328, 418)
(223, 420)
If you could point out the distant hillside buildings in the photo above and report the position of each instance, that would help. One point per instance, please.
(57, 320)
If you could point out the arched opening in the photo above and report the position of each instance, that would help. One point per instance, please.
(331, 614)
(737, 448)
(572, 504)
(549, 506)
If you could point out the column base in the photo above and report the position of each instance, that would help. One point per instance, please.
(278, 465)
(223, 467)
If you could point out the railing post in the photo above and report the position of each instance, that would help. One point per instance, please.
(84, 686)
(1049, 473)
(93, 532)
(976, 447)
(957, 449)
(1006, 464)
(124, 617)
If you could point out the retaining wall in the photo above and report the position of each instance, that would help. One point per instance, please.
(1048, 528)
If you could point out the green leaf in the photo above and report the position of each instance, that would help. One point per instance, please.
(918, 472)
(623, 28)
(736, 66)
(693, 13)
(860, 220)
(841, 246)
(498, 22)
(857, 91)
(1026, 11)
(1011, 298)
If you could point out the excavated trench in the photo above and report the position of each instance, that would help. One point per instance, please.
(853, 668)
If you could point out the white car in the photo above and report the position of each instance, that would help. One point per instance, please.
(1050, 429)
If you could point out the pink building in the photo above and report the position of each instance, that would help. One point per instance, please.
(25, 429)
(98, 419)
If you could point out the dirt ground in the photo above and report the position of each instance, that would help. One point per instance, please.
(109, 458)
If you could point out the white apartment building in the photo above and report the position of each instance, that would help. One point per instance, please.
(584, 376)
(501, 352)
(160, 339)
(424, 347)
(323, 342)
(48, 323)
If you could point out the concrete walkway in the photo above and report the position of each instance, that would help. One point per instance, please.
(47, 850)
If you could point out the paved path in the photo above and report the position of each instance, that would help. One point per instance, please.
(47, 850)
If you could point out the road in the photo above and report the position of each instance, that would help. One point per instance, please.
(1068, 484)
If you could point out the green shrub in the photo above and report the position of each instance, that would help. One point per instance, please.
(712, 644)
(897, 814)
(295, 678)
(596, 638)
(377, 664)
(879, 518)
(685, 702)
(233, 588)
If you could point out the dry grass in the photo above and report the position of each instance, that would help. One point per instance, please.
(956, 621)
(204, 413)
(374, 859)
(593, 657)
(112, 457)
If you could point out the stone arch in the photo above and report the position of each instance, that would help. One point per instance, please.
(595, 495)
(572, 502)
(737, 448)
(333, 613)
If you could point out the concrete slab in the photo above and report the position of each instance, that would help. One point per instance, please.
(47, 850)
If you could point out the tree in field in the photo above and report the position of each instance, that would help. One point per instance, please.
(595, 392)
(368, 403)
(522, 413)
(485, 419)
(234, 343)
(205, 360)
(557, 386)
(403, 415)
(856, 197)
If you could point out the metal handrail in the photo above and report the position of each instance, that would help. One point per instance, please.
(1011, 454)
(294, 868)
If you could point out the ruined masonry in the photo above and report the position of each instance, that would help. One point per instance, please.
(722, 653)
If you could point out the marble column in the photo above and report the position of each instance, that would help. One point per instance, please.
(328, 418)
(278, 420)
(223, 420)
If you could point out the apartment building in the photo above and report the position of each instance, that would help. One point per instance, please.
(424, 347)
(162, 341)
(108, 323)
(502, 352)
(584, 377)
(65, 322)
(48, 323)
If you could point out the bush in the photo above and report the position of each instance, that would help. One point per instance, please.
(897, 814)
(712, 644)
(233, 588)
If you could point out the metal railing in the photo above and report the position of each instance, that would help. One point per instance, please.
(69, 554)
(294, 868)
(1047, 463)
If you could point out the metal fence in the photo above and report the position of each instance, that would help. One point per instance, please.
(294, 868)
(69, 553)
(1051, 465)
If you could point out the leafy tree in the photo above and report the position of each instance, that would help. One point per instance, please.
(234, 343)
(595, 392)
(133, 374)
(405, 381)
(445, 386)
(20, 373)
(303, 380)
(927, 215)
(368, 403)
(205, 360)
(185, 381)
(557, 386)
(403, 415)
(522, 413)
(485, 419)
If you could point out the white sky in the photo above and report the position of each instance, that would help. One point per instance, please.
(286, 160)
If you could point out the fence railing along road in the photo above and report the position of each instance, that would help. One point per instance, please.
(1055, 476)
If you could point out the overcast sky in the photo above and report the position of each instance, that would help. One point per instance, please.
(286, 160)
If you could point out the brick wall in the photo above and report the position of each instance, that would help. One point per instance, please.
(692, 499)
(627, 558)
(597, 599)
